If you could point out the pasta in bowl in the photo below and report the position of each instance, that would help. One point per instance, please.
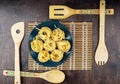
(50, 43)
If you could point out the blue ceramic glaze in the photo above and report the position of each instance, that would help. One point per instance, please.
(50, 24)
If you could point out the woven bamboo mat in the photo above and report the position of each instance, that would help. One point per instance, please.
(81, 57)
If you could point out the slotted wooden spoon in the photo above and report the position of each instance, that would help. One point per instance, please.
(62, 12)
(17, 32)
(53, 76)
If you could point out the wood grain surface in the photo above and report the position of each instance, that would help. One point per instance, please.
(12, 11)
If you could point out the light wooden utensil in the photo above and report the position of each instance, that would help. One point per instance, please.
(17, 32)
(101, 55)
(53, 76)
(62, 12)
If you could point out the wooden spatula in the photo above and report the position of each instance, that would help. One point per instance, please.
(17, 32)
(62, 12)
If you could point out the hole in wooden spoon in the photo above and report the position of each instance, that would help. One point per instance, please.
(6, 72)
(17, 31)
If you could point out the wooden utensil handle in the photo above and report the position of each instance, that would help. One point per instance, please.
(17, 64)
(22, 74)
(94, 11)
(102, 21)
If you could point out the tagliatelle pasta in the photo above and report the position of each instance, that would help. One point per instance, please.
(49, 45)
(56, 55)
(37, 45)
(58, 34)
(45, 33)
(64, 45)
(43, 56)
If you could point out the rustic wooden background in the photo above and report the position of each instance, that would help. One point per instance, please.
(12, 11)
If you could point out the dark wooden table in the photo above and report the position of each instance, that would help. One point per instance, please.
(12, 11)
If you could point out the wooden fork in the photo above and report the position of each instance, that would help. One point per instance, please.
(101, 55)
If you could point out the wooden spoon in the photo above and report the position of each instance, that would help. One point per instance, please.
(17, 32)
(53, 76)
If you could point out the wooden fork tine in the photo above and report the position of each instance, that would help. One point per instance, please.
(98, 62)
(103, 62)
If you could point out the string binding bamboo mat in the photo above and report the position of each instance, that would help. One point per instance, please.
(81, 57)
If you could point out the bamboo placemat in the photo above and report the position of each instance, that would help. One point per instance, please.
(81, 57)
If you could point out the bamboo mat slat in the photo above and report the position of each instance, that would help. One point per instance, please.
(81, 57)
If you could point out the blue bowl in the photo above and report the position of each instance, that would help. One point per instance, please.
(50, 24)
